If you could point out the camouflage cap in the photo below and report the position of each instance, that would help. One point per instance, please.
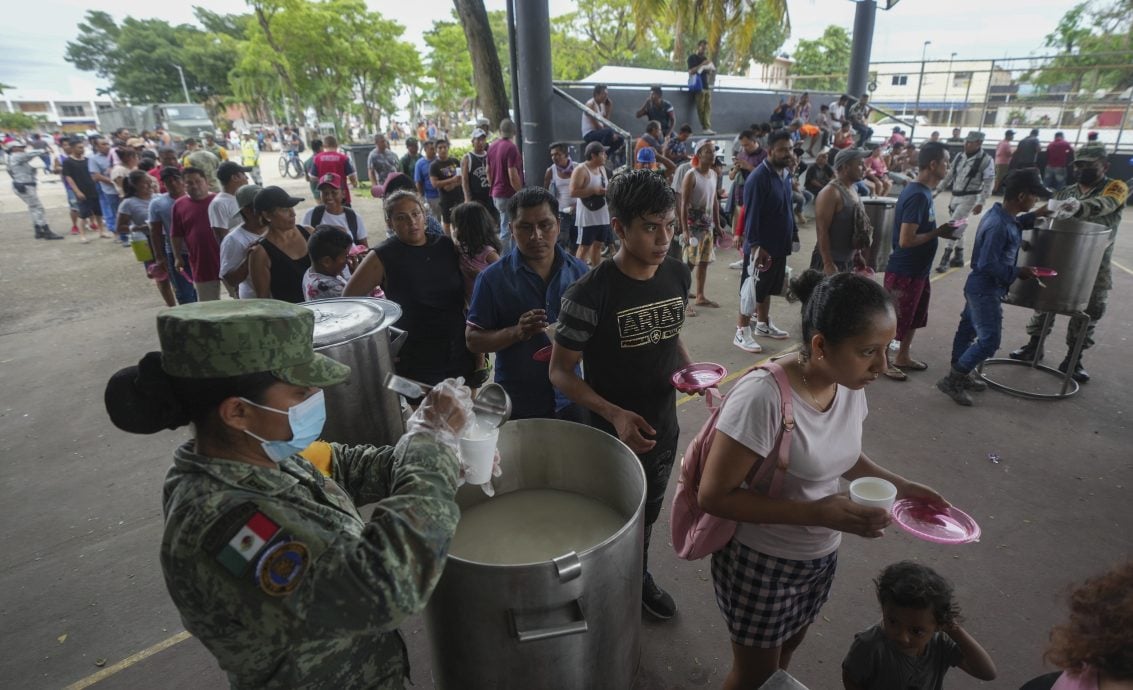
(233, 337)
(1090, 152)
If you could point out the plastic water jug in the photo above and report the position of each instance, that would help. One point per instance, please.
(139, 242)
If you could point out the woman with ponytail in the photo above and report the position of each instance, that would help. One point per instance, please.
(264, 552)
(774, 576)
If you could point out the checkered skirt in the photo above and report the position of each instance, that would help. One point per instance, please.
(765, 599)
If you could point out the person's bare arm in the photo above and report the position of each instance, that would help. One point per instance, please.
(464, 186)
(74, 188)
(259, 267)
(909, 237)
(682, 203)
(369, 275)
(531, 323)
(157, 241)
(629, 425)
(178, 253)
(514, 178)
(580, 183)
(977, 663)
(238, 274)
(826, 205)
(219, 233)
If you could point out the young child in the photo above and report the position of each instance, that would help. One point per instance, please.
(919, 636)
(475, 234)
(329, 249)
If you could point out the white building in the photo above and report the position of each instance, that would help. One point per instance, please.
(950, 91)
(74, 112)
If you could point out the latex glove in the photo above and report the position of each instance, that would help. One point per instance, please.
(1067, 208)
(444, 415)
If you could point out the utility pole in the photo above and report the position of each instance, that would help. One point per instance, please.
(920, 83)
(947, 82)
(183, 86)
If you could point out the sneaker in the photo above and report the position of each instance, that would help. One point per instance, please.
(952, 385)
(656, 600)
(768, 330)
(745, 342)
(74, 229)
(736, 265)
(894, 345)
(709, 131)
(974, 382)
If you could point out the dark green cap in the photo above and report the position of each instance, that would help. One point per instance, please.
(233, 337)
(1090, 152)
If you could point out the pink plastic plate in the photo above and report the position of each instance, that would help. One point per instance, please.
(1043, 272)
(698, 377)
(923, 521)
(543, 354)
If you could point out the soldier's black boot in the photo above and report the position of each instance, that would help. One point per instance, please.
(1027, 352)
(48, 235)
(1080, 375)
(957, 258)
(39, 232)
(943, 265)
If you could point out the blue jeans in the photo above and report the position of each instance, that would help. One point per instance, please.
(183, 288)
(109, 204)
(1055, 178)
(505, 223)
(978, 335)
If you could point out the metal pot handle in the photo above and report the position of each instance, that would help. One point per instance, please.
(397, 338)
(574, 627)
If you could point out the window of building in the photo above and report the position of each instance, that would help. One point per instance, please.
(900, 79)
(72, 110)
(961, 78)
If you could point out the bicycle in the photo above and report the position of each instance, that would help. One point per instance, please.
(290, 165)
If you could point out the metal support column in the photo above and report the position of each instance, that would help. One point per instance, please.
(533, 53)
(517, 113)
(864, 15)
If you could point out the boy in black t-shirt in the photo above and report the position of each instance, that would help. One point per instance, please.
(444, 173)
(624, 319)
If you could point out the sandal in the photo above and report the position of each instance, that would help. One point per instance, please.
(913, 365)
(707, 303)
(896, 374)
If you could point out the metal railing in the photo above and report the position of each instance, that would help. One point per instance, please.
(625, 135)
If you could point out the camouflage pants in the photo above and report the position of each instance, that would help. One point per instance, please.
(1095, 309)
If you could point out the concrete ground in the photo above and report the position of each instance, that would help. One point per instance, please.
(82, 600)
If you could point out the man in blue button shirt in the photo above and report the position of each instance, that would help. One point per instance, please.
(516, 298)
(993, 270)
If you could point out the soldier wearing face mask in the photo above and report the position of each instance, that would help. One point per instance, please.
(1098, 199)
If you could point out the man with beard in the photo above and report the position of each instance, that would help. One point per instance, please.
(837, 210)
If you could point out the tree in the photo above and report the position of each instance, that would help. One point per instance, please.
(605, 32)
(825, 60)
(486, 70)
(1094, 48)
(19, 122)
(731, 27)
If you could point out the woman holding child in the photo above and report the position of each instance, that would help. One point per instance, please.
(774, 576)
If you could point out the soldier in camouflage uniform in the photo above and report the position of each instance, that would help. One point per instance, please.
(264, 552)
(1098, 199)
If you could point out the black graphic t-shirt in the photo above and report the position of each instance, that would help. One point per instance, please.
(627, 332)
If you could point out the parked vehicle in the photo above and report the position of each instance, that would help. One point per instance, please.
(180, 120)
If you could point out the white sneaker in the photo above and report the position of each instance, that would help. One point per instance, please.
(737, 265)
(894, 345)
(768, 330)
(745, 342)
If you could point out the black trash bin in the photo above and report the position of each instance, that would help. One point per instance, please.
(358, 154)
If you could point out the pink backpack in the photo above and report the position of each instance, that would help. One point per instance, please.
(697, 534)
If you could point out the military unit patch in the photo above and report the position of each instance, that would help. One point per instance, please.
(246, 543)
(281, 568)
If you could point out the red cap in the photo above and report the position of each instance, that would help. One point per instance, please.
(333, 179)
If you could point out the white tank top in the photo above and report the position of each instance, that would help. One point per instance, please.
(583, 216)
(562, 190)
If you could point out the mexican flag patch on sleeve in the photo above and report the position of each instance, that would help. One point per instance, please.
(248, 541)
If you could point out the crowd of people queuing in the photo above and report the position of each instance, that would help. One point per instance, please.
(484, 263)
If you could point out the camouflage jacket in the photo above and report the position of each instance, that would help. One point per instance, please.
(275, 571)
(1101, 204)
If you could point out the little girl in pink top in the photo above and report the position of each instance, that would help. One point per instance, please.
(475, 235)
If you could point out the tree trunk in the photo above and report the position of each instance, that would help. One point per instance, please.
(486, 72)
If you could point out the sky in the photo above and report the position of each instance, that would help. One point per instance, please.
(35, 34)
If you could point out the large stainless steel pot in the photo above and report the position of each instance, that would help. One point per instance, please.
(571, 622)
(882, 212)
(1072, 247)
(358, 331)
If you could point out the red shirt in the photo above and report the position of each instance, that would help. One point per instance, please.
(1058, 153)
(155, 173)
(503, 154)
(333, 162)
(190, 220)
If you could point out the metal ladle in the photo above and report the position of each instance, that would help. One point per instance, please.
(492, 404)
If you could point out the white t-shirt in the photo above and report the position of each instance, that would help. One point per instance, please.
(837, 113)
(337, 220)
(224, 211)
(824, 446)
(233, 251)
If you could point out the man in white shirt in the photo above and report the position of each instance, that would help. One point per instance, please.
(334, 212)
(234, 248)
(224, 212)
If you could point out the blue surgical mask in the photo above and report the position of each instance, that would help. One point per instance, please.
(306, 420)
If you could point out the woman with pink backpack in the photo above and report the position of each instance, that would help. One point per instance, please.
(775, 573)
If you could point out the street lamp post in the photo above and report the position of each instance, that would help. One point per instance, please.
(920, 83)
(947, 80)
(183, 86)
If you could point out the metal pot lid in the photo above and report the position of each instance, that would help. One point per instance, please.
(346, 318)
(887, 200)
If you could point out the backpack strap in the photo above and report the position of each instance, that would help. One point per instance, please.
(780, 456)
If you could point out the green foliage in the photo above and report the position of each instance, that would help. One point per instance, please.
(605, 32)
(736, 30)
(1095, 44)
(449, 83)
(19, 122)
(826, 59)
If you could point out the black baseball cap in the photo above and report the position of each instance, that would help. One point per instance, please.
(1026, 180)
(228, 169)
(271, 198)
(169, 171)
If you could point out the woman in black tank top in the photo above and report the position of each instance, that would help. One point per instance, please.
(277, 262)
(421, 273)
